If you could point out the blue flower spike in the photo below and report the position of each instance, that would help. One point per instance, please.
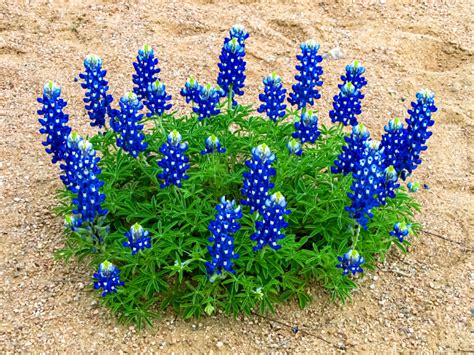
(305, 91)
(346, 105)
(231, 69)
(351, 262)
(269, 230)
(352, 151)
(354, 74)
(393, 142)
(157, 101)
(306, 129)
(127, 123)
(222, 227)
(107, 278)
(191, 90)
(213, 145)
(206, 100)
(146, 70)
(401, 230)
(97, 100)
(53, 121)
(88, 198)
(174, 161)
(273, 98)
(257, 181)
(294, 147)
(389, 184)
(367, 184)
(138, 238)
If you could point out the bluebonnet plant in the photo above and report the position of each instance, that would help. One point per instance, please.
(222, 249)
(272, 98)
(417, 131)
(174, 161)
(354, 75)
(352, 152)
(269, 230)
(107, 278)
(367, 184)
(138, 238)
(393, 144)
(294, 147)
(400, 231)
(238, 32)
(88, 198)
(97, 100)
(206, 100)
(54, 121)
(213, 145)
(146, 68)
(231, 68)
(413, 186)
(126, 123)
(346, 105)
(351, 262)
(257, 181)
(308, 79)
(306, 129)
(191, 90)
(157, 101)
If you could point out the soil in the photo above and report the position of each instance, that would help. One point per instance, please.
(419, 301)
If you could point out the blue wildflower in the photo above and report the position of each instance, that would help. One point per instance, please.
(367, 184)
(240, 33)
(400, 231)
(107, 278)
(231, 69)
(346, 105)
(354, 75)
(352, 152)
(272, 98)
(393, 143)
(257, 180)
(54, 121)
(307, 128)
(351, 262)
(146, 68)
(157, 101)
(137, 238)
(74, 162)
(417, 130)
(88, 198)
(413, 186)
(222, 249)
(191, 90)
(268, 231)
(213, 145)
(308, 79)
(174, 161)
(97, 100)
(206, 99)
(294, 147)
(127, 124)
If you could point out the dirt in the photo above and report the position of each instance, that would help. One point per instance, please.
(419, 301)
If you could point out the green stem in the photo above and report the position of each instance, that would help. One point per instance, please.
(356, 235)
(229, 100)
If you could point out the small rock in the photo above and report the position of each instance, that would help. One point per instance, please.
(219, 345)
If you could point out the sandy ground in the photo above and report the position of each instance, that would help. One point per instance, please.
(421, 301)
